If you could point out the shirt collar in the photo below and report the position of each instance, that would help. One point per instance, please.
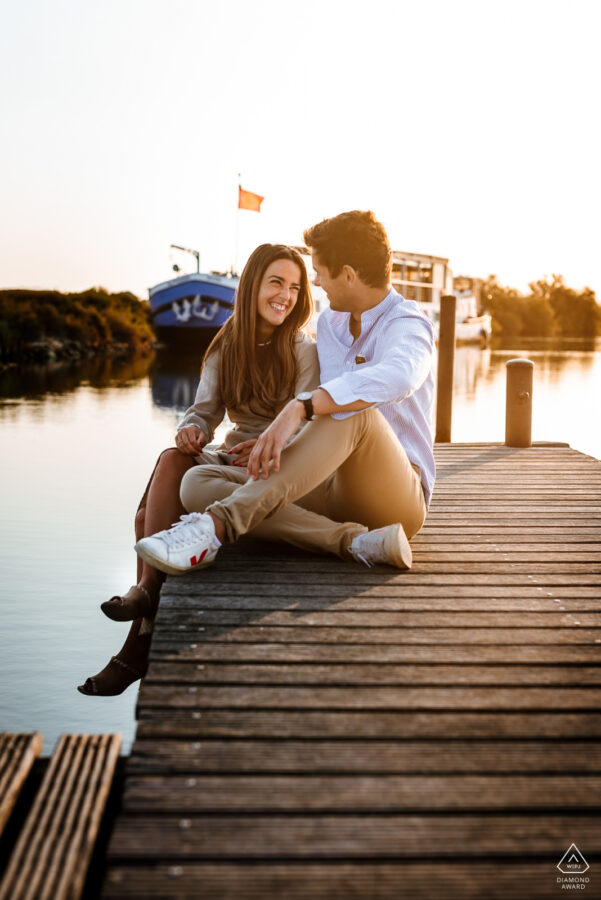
(368, 318)
(371, 315)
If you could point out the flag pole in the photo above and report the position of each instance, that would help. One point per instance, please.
(237, 233)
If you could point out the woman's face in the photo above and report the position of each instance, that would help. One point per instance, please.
(278, 293)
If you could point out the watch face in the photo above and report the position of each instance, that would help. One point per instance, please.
(304, 395)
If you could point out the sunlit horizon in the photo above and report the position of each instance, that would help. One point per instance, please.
(470, 129)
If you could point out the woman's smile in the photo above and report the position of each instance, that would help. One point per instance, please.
(277, 296)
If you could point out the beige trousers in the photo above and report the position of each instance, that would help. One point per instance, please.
(337, 479)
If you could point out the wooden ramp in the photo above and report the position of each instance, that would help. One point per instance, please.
(50, 858)
(18, 752)
(312, 728)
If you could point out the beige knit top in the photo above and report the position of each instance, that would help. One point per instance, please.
(208, 410)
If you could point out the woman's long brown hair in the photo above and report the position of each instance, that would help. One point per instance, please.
(262, 378)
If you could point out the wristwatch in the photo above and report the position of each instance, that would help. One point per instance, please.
(306, 398)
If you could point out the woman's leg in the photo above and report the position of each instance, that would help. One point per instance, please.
(161, 507)
(136, 647)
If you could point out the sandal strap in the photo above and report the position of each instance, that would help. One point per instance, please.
(140, 588)
(126, 666)
(119, 598)
(92, 685)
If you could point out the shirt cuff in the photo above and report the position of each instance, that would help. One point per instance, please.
(339, 391)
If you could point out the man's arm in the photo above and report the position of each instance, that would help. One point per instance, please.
(273, 440)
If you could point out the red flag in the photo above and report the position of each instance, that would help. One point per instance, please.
(247, 200)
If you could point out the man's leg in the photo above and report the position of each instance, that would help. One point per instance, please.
(377, 485)
(383, 487)
(296, 524)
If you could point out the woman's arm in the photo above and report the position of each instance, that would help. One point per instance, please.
(208, 409)
(308, 366)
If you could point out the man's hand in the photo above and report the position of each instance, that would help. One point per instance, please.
(241, 452)
(271, 443)
(190, 440)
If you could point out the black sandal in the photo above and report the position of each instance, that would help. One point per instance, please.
(135, 604)
(111, 681)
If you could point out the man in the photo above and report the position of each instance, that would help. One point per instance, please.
(364, 459)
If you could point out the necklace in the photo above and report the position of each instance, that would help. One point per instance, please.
(264, 344)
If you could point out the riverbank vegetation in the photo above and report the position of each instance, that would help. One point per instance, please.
(36, 326)
(550, 309)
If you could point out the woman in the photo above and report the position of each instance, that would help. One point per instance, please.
(256, 363)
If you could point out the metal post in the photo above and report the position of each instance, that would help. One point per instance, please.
(518, 408)
(446, 360)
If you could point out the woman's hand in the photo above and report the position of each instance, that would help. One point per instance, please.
(241, 452)
(190, 440)
(271, 443)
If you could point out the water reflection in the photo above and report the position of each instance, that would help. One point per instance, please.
(61, 377)
(174, 379)
(567, 375)
(554, 344)
(472, 366)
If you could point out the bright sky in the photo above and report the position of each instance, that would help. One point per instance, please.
(472, 129)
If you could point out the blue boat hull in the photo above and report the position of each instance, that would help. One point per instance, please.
(192, 304)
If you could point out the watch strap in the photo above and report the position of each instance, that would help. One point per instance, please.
(308, 404)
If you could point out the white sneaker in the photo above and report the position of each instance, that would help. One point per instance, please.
(384, 545)
(189, 544)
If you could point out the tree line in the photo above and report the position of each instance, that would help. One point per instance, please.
(35, 323)
(549, 309)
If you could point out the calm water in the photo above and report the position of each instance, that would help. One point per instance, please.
(77, 447)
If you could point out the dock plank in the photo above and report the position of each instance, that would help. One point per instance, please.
(408, 757)
(18, 752)
(335, 880)
(310, 728)
(223, 673)
(152, 838)
(381, 724)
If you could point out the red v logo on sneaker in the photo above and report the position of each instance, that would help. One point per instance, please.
(194, 561)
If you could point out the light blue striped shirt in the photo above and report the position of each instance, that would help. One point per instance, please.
(397, 343)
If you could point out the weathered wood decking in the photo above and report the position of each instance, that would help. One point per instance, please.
(50, 858)
(312, 728)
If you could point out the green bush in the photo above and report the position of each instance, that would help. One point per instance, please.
(94, 318)
(550, 309)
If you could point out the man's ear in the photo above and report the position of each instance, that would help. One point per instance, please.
(350, 275)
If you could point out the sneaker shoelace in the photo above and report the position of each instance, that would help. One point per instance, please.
(193, 526)
(361, 557)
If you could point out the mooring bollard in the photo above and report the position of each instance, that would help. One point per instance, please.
(518, 408)
(446, 360)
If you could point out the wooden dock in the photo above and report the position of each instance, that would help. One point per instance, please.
(312, 728)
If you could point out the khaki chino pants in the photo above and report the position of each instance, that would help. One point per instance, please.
(337, 479)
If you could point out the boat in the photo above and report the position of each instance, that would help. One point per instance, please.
(426, 279)
(192, 307)
(470, 326)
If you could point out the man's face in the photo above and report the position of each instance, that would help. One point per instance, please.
(335, 288)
